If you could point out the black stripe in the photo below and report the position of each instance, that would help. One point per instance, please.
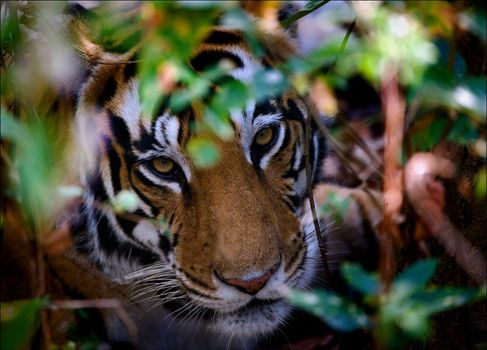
(199, 283)
(115, 165)
(263, 108)
(288, 204)
(146, 141)
(120, 131)
(206, 59)
(126, 225)
(109, 89)
(164, 244)
(292, 112)
(223, 38)
(97, 188)
(143, 198)
(286, 140)
(129, 71)
(111, 244)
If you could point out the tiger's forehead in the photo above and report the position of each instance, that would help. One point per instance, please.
(168, 133)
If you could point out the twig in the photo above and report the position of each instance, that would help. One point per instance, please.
(394, 107)
(321, 242)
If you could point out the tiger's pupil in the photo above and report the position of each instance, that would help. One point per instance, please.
(163, 165)
(264, 136)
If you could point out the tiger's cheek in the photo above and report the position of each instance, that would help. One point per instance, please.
(194, 254)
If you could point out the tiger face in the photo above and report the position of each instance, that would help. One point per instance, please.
(234, 241)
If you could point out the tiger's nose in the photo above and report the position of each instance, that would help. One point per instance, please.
(250, 285)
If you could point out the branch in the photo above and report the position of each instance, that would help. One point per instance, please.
(321, 242)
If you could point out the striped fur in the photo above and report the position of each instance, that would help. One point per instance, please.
(237, 220)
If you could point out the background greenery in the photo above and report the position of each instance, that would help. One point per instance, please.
(436, 49)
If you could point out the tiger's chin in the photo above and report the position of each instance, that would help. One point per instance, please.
(253, 320)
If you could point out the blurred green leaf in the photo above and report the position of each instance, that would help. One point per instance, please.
(239, 19)
(428, 137)
(361, 280)
(268, 83)
(417, 275)
(217, 121)
(335, 207)
(125, 201)
(33, 149)
(481, 184)
(336, 311)
(444, 298)
(311, 5)
(19, 321)
(463, 131)
(475, 22)
(203, 152)
(11, 129)
(440, 88)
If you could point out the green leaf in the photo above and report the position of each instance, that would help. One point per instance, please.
(335, 207)
(427, 138)
(233, 94)
(416, 275)
(441, 299)
(125, 201)
(336, 311)
(33, 149)
(203, 152)
(11, 128)
(217, 121)
(361, 280)
(19, 321)
(311, 5)
(268, 83)
(481, 184)
(463, 131)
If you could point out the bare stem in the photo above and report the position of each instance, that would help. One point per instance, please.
(321, 242)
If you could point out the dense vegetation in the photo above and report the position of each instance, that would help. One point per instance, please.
(410, 73)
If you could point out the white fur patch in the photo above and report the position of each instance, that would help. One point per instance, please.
(146, 233)
(130, 109)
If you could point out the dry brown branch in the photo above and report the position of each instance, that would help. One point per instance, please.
(394, 108)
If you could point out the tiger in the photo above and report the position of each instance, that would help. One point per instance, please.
(232, 241)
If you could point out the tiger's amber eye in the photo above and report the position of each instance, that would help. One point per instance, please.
(163, 165)
(264, 136)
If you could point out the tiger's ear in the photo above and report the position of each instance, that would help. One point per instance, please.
(91, 52)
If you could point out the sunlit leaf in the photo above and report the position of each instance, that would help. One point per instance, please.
(441, 299)
(125, 201)
(336, 311)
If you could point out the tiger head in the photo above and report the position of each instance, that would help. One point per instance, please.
(233, 240)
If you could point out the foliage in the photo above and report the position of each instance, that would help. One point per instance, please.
(445, 100)
(19, 321)
(399, 315)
